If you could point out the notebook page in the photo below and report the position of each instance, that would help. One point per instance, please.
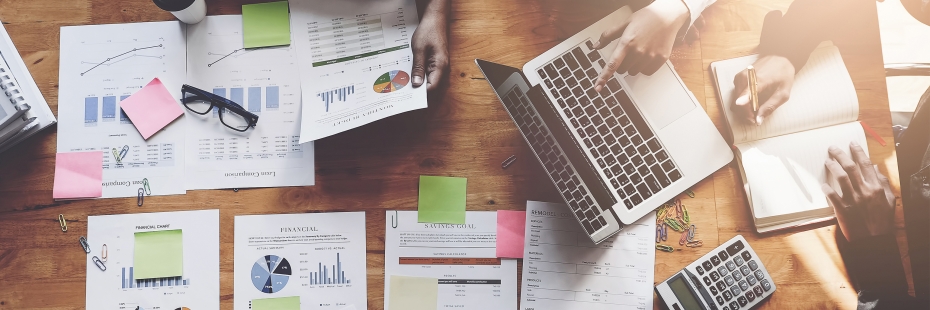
(822, 95)
(785, 172)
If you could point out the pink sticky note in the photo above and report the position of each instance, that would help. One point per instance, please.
(511, 227)
(151, 108)
(78, 175)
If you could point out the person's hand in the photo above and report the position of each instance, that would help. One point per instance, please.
(645, 42)
(866, 208)
(775, 76)
(431, 49)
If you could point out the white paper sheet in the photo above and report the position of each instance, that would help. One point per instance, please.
(265, 82)
(463, 258)
(104, 64)
(115, 289)
(355, 60)
(564, 270)
(319, 257)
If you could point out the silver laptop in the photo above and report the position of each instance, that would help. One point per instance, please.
(616, 155)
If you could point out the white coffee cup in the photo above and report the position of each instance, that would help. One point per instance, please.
(188, 11)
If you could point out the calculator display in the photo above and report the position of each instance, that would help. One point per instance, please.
(684, 294)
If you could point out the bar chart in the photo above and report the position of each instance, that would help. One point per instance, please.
(128, 281)
(329, 274)
(103, 109)
(271, 94)
(332, 95)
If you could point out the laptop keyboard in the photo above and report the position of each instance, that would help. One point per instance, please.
(625, 148)
(557, 165)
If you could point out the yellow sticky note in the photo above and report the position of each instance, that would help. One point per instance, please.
(413, 293)
(282, 303)
(158, 254)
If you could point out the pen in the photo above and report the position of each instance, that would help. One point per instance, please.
(753, 92)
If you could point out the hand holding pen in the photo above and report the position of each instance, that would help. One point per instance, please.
(763, 88)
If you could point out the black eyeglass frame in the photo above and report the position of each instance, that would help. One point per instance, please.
(219, 103)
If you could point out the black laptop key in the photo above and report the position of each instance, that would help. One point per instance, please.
(602, 63)
(599, 104)
(661, 156)
(623, 140)
(601, 163)
(653, 184)
(643, 170)
(585, 63)
(629, 204)
(629, 150)
(577, 110)
(550, 71)
(635, 178)
(636, 199)
(623, 180)
(587, 227)
(636, 159)
(629, 189)
(597, 140)
(603, 150)
(575, 123)
(601, 219)
(622, 158)
(551, 86)
(642, 149)
(610, 160)
(577, 91)
(629, 168)
(567, 110)
(594, 56)
(579, 74)
(605, 112)
(579, 214)
(637, 140)
(597, 120)
(617, 148)
(591, 73)
(559, 63)
(590, 130)
(565, 72)
(663, 180)
(584, 121)
(542, 73)
(565, 92)
(650, 160)
(589, 109)
(570, 61)
(609, 138)
(603, 130)
(624, 121)
(589, 214)
(654, 145)
(570, 82)
(616, 169)
(587, 142)
(668, 165)
(595, 224)
(630, 130)
(674, 175)
(591, 93)
(615, 183)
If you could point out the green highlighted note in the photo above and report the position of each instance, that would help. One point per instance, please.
(282, 303)
(442, 200)
(266, 24)
(158, 254)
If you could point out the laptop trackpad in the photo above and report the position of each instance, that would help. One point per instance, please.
(662, 97)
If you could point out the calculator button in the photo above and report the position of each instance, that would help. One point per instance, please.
(766, 285)
(742, 301)
(750, 295)
(745, 270)
(708, 266)
(721, 286)
(727, 296)
(723, 270)
(726, 308)
(759, 274)
(700, 270)
(735, 290)
(729, 280)
(753, 265)
(751, 279)
(720, 300)
(737, 276)
(738, 260)
(757, 290)
(714, 276)
(743, 286)
(723, 255)
(715, 260)
(736, 247)
(707, 280)
(713, 290)
(746, 255)
(731, 265)
(733, 305)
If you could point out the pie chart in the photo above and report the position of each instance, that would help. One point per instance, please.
(391, 81)
(270, 273)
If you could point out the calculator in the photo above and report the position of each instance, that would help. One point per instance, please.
(730, 277)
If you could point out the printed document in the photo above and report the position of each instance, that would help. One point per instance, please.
(461, 256)
(102, 65)
(265, 82)
(318, 258)
(563, 269)
(355, 60)
(114, 240)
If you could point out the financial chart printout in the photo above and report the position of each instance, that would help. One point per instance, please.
(103, 65)
(263, 81)
(111, 238)
(563, 269)
(355, 61)
(462, 257)
(318, 258)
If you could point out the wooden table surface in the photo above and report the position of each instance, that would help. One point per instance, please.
(466, 133)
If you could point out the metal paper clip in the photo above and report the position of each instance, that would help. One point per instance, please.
(141, 198)
(84, 244)
(116, 156)
(509, 161)
(658, 233)
(691, 233)
(104, 252)
(664, 232)
(123, 152)
(665, 248)
(235, 190)
(62, 222)
(689, 193)
(394, 220)
(99, 264)
(694, 244)
(145, 185)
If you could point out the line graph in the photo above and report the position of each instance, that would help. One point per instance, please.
(109, 61)
(224, 57)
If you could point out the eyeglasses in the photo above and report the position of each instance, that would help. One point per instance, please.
(231, 113)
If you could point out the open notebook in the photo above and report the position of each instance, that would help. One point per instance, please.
(23, 110)
(782, 161)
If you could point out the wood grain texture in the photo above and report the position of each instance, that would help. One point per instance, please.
(465, 133)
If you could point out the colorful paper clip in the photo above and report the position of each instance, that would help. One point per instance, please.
(62, 222)
(116, 156)
(509, 161)
(84, 244)
(123, 152)
(145, 185)
(99, 264)
(684, 237)
(694, 244)
(689, 193)
(665, 248)
(141, 198)
(104, 252)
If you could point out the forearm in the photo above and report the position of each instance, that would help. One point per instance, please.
(874, 266)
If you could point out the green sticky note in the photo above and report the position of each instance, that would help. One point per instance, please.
(281, 303)
(158, 254)
(442, 200)
(412, 293)
(266, 24)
